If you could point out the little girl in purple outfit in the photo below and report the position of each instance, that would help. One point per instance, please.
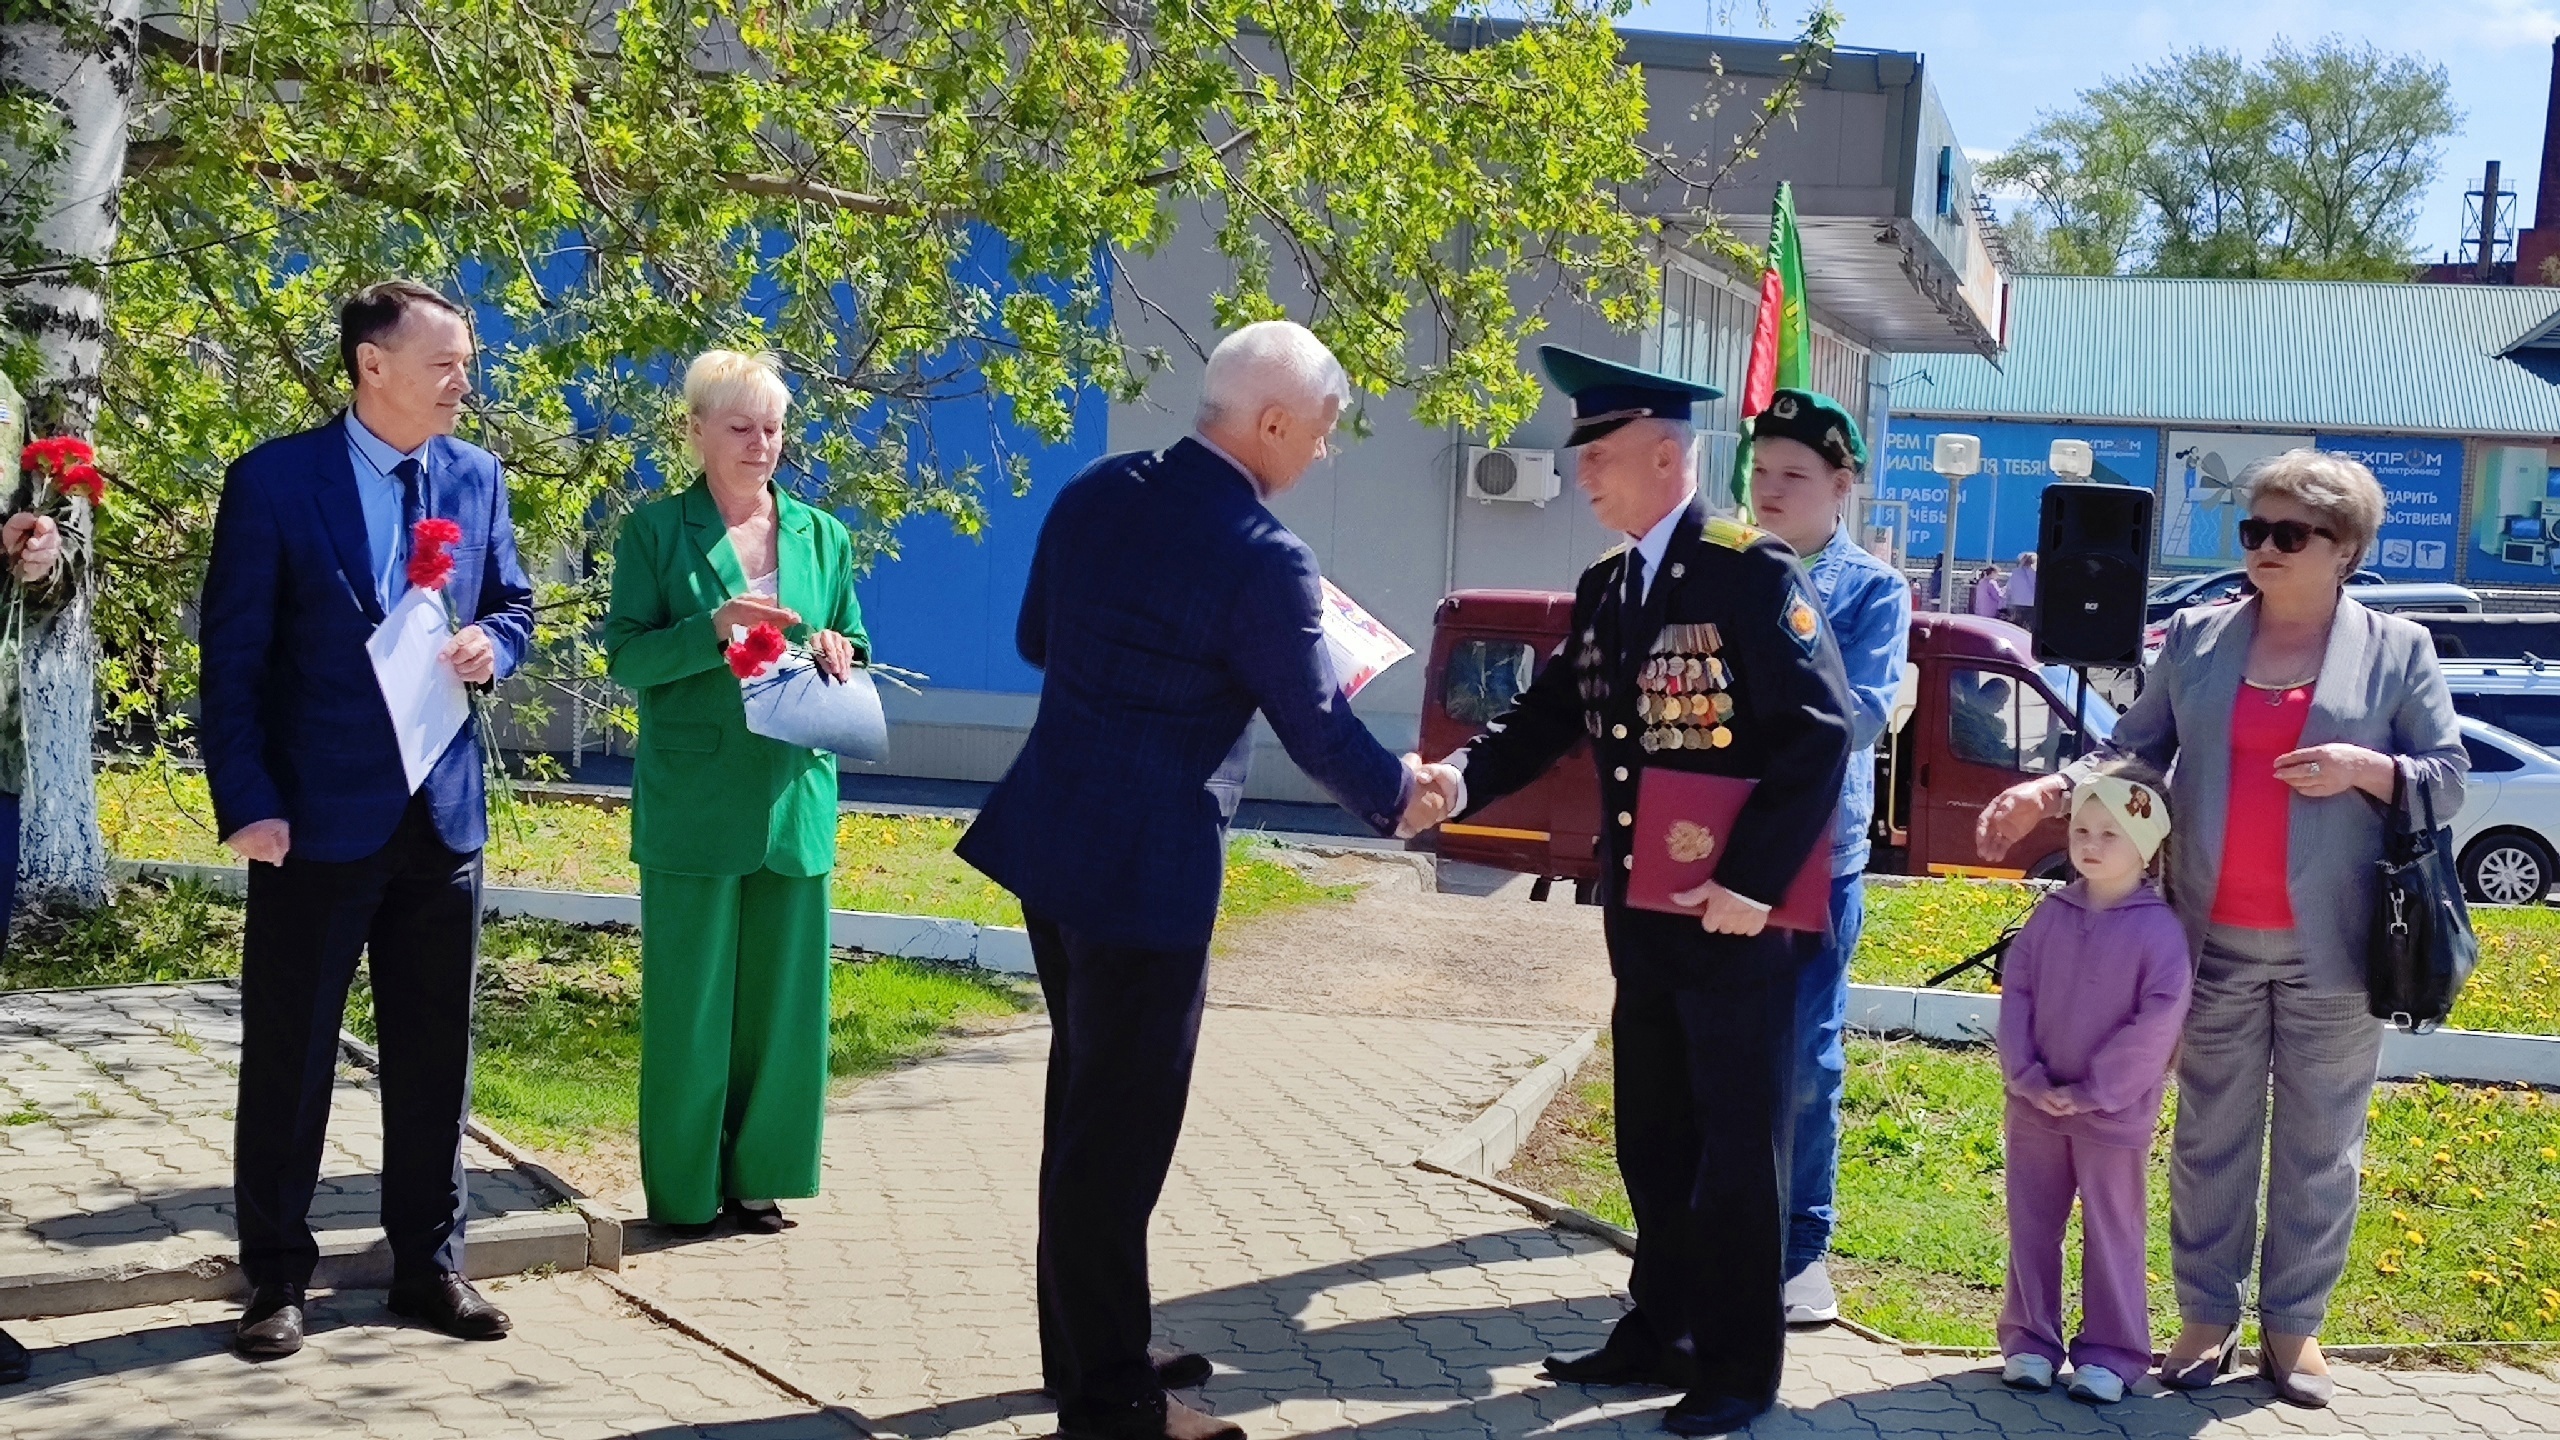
(2092, 996)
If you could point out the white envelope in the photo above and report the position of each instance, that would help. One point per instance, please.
(428, 702)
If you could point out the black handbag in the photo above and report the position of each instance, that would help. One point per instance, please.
(2422, 948)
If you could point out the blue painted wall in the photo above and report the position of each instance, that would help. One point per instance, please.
(946, 605)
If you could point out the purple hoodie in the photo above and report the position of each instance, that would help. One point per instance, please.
(2091, 1002)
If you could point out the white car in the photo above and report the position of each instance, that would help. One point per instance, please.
(2508, 832)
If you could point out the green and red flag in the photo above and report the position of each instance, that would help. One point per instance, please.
(1782, 343)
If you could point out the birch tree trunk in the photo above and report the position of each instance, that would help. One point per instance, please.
(80, 57)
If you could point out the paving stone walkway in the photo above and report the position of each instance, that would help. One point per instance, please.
(116, 1130)
(1342, 1291)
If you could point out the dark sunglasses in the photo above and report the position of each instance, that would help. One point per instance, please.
(2290, 535)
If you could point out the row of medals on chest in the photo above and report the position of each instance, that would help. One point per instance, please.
(1681, 693)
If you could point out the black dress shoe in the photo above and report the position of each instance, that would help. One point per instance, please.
(1179, 1369)
(1158, 1417)
(1175, 1370)
(271, 1328)
(1699, 1413)
(450, 1304)
(767, 1221)
(14, 1360)
(1620, 1365)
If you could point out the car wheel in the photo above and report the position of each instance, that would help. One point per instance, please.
(2509, 867)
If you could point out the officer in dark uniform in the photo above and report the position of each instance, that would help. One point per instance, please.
(1697, 647)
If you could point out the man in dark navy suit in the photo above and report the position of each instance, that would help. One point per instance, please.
(1698, 646)
(310, 548)
(1166, 606)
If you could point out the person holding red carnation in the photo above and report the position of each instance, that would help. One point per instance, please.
(734, 834)
(347, 859)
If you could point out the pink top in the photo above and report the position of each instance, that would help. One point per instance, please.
(2251, 893)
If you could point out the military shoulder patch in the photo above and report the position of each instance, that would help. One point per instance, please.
(1730, 533)
(1803, 622)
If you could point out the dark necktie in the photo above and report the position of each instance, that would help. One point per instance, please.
(1631, 601)
(413, 508)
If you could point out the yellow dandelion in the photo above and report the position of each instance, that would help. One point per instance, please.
(2417, 1238)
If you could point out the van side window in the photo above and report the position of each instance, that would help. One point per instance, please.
(1999, 721)
(1484, 677)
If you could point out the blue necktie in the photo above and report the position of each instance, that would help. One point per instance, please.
(412, 477)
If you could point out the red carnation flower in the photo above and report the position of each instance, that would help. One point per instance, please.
(431, 543)
(56, 455)
(84, 479)
(749, 657)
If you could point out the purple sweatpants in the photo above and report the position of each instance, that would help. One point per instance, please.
(2046, 1168)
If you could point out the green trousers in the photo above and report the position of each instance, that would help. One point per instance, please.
(733, 1039)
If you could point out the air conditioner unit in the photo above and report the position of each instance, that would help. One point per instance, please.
(1499, 472)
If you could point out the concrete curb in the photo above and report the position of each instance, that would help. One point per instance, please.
(1487, 1143)
(912, 937)
(1957, 1017)
(604, 1223)
(349, 1259)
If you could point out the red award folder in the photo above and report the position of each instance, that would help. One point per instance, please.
(1684, 820)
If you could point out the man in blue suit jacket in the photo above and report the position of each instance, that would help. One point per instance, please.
(1165, 605)
(309, 550)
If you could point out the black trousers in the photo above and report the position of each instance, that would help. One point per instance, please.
(1705, 1034)
(1124, 1027)
(414, 907)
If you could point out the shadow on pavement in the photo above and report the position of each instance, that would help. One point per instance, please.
(168, 1345)
(1458, 1370)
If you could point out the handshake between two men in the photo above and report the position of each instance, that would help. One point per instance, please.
(1438, 790)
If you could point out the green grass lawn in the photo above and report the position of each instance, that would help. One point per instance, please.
(2458, 1237)
(899, 864)
(1915, 930)
(557, 1031)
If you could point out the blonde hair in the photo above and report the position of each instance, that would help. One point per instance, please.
(2340, 491)
(720, 380)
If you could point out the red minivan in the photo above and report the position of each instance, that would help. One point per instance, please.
(1977, 714)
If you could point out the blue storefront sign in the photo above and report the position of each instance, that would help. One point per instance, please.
(1996, 513)
(2421, 534)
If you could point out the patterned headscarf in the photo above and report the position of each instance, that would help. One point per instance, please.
(2140, 811)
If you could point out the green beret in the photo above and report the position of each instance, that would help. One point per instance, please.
(1814, 420)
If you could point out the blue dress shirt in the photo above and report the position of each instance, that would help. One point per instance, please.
(1869, 606)
(374, 461)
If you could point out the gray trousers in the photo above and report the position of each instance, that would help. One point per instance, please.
(2258, 1024)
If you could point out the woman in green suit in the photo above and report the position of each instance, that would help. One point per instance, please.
(734, 834)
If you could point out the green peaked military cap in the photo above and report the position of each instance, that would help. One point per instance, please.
(1812, 418)
(1607, 394)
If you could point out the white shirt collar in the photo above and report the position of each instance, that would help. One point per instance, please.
(1653, 542)
(1213, 448)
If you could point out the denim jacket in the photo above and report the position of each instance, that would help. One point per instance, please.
(1869, 606)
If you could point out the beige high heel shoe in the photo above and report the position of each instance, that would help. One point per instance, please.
(2296, 1387)
(2202, 1371)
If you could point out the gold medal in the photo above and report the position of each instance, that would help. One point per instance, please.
(1721, 737)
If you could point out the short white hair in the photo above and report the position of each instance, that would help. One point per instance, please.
(1270, 362)
(720, 380)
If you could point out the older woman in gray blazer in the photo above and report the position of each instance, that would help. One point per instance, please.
(2283, 720)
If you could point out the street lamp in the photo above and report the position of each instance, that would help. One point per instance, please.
(1953, 457)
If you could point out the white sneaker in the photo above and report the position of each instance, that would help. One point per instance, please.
(2096, 1385)
(2027, 1372)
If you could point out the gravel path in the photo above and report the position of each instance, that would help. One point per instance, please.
(1483, 951)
